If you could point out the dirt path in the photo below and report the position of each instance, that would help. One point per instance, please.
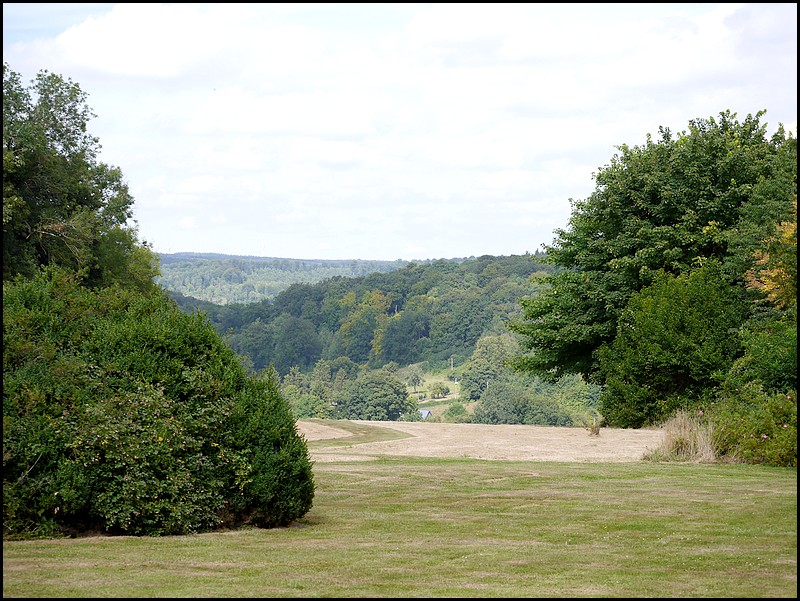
(482, 441)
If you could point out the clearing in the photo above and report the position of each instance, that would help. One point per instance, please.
(362, 440)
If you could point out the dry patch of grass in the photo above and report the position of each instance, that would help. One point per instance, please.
(480, 441)
(356, 433)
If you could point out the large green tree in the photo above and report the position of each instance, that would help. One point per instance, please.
(675, 340)
(715, 191)
(61, 205)
(375, 396)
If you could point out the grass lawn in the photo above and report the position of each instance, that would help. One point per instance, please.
(408, 527)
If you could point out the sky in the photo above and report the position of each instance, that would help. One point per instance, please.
(392, 131)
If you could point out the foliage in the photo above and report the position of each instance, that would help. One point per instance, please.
(673, 340)
(457, 413)
(775, 270)
(755, 426)
(123, 414)
(714, 192)
(432, 312)
(439, 390)
(375, 395)
(506, 402)
(486, 364)
(278, 486)
(414, 377)
(506, 397)
(575, 395)
(61, 206)
(314, 395)
(769, 340)
(745, 425)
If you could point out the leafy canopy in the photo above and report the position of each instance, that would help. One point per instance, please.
(61, 206)
(715, 191)
(675, 339)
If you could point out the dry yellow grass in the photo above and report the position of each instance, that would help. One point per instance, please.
(475, 441)
(686, 438)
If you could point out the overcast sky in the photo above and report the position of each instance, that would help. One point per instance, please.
(377, 131)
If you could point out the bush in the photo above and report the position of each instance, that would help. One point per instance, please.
(124, 415)
(457, 413)
(673, 339)
(747, 425)
(274, 482)
(513, 403)
(754, 426)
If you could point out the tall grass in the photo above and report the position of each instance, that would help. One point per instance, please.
(408, 527)
(686, 438)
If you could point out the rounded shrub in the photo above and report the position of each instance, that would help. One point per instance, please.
(124, 415)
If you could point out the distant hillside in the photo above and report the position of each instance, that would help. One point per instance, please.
(433, 312)
(224, 279)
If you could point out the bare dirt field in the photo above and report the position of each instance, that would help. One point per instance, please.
(478, 441)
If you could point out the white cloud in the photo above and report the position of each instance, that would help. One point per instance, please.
(392, 131)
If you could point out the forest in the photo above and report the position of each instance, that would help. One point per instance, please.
(129, 408)
(445, 318)
(224, 279)
(433, 312)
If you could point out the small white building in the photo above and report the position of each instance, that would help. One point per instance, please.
(424, 413)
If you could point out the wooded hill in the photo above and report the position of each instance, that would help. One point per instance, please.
(430, 312)
(224, 279)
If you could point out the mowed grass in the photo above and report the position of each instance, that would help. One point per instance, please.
(407, 527)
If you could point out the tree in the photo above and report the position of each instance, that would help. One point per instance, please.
(666, 206)
(414, 378)
(61, 206)
(374, 396)
(486, 365)
(439, 390)
(675, 340)
(775, 271)
(770, 336)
